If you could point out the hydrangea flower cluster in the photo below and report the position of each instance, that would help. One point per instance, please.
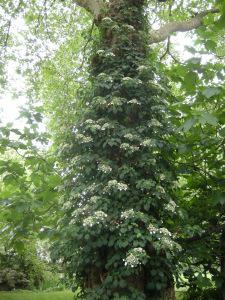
(114, 184)
(97, 218)
(104, 168)
(135, 257)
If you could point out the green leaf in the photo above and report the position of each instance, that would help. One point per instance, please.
(210, 45)
(208, 118)
(211, 92)
(219, 198)
(188, 124)
(190, 81)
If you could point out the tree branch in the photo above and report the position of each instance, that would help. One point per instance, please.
(157, 36)
(92, 6)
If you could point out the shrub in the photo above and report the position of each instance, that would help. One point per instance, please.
(20, 270)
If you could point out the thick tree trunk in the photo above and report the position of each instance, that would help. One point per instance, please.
(127, 14)
(117, 245)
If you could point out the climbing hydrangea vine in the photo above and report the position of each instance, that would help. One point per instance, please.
(116, 241)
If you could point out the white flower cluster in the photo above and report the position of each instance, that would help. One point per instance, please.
(134, 101)
(129, 27)
(114, 184)
(100, 52)
(104, 168)
(116, 101)
(135, 257)
(127, 214)
(162, 177)
(107, 20)
(126, 146)
(171, 206)
(105, 78)
(105, 54)
(154, 122)
(152, 161)
(142, 68)
(152, 229)
(100, 101)
(167, 243)
(129, 80)
(131, 136)
(96, 219)
(79, 212)
(67, 205)
(148, 143)
(160, 189)
(107, 126)
(89, 121)
(110, 54)
(83, 139)
(159, 231)
(94, 199)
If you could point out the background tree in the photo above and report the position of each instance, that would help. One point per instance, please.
(119, 188)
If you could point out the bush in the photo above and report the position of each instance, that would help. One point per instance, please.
(20, 270)
(206, 294)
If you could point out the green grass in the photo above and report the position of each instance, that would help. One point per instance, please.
(66, 295)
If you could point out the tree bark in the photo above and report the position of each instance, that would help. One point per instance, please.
(113, 42)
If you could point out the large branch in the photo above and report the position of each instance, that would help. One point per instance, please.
(93, 6)
(166, 30)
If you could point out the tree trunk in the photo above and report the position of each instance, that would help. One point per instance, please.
(120, 246)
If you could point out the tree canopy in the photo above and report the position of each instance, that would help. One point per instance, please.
(127, 178)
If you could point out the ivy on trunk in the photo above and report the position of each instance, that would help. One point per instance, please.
(116, 241)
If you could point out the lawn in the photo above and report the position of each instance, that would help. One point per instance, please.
(66, 295)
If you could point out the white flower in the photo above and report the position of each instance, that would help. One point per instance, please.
(152, 229)
(135, 257)
(129, 27)
(126, 146)
(67, 205)
(134, 101)
(94, 199)
(130, 136)
(154, 122)
(164, 231)
(127, 214)
(107, 20)
(162, 177)
(117, 185)
(83, 139)
(109, 54)
(127, 79)
(160, 189)
(89, 121)
(104, 168)
(99, 52)
(148, 142)
(96, 219)
(171, 206)
(142, 68)
(116, 101)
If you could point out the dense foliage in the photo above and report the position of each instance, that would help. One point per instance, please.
(20, 270)
(132, 187)
(118, 183)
